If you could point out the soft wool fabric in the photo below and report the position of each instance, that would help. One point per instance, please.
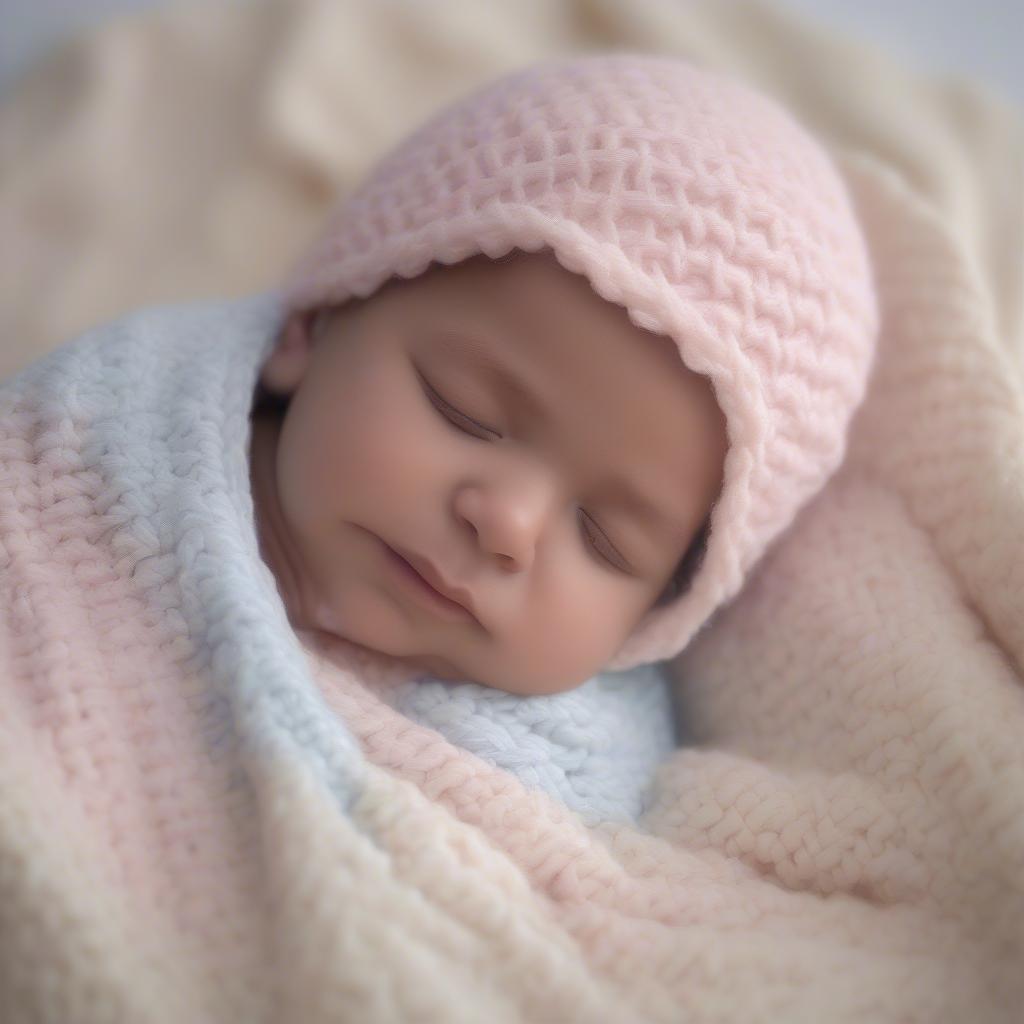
(697, 204)
(206, 817)
(594, 749)
(843, 840)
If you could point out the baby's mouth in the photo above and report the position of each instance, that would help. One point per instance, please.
(403, 561)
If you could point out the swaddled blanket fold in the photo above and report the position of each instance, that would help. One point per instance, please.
(131, 546)
(203, 818)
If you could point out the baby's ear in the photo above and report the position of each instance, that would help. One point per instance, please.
(286, 365)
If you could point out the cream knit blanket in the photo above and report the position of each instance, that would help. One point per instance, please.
(843, 840)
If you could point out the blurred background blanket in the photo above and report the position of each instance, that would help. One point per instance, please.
(843, 837)
(193, 152)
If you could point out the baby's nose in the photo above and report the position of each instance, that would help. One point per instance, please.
(509, 514)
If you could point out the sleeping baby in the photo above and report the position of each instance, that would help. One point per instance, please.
(519, 423)
(558, 372)
(487, 470)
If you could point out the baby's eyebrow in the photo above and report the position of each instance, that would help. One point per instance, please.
(507, 382)
(500, 374)
(644, 507)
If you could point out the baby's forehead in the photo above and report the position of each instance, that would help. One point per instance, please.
(540, 331)
(530, 290)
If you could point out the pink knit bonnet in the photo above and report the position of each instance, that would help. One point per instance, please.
(701, 207)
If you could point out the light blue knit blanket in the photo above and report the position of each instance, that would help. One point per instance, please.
(595, 748)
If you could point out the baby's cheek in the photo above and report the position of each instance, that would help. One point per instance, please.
(385, 432)
(561, 643)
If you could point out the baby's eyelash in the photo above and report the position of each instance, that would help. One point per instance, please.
(615, 559)
(454, 416)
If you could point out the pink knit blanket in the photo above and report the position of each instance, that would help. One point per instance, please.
(206, 818)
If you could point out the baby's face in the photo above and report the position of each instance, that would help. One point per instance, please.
(537, 456)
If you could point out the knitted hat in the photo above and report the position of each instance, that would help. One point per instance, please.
(701, 207)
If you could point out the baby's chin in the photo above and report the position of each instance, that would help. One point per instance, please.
(527, 680)
(436, 668)
(432, 665)
(444, 670)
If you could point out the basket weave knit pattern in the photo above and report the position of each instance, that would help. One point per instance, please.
(701, 207)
